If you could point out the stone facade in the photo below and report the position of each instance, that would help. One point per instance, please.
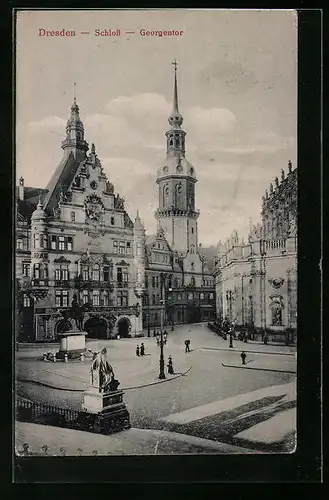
(75, 238)
(179, 287)
(256, 282)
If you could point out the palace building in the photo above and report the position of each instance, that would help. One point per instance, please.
(178, 282)
(75, 239)
(256, 282)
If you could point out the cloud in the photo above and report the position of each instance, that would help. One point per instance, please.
(53, 123)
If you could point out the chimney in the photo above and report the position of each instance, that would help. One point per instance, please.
(21, 189)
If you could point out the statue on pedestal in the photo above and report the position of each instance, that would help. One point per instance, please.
(102, 373)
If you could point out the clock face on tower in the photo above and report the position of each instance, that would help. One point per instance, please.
(93, 207)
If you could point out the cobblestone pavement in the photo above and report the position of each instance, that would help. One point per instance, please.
(206, 382)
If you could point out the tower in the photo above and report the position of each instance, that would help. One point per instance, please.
(176, 184)
(39, 254)
(74, 142)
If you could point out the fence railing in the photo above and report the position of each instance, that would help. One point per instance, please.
(104, 423)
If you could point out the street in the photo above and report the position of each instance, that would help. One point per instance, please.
(206, 381)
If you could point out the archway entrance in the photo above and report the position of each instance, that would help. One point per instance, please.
(96, 328)
(123, 327)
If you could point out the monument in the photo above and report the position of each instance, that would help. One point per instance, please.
(72, 341)
(103, 399)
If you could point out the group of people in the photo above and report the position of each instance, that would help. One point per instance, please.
(140, 351)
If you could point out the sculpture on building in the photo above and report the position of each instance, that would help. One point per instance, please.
(119, 202)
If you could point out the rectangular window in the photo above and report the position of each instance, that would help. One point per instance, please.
(153, 299)
(26, 269)
(125, 275)
(122, 247)
(53, 242)
(19, 244)
(69, 243)
(122, 299)
(106, 273)
(85, 297)
(61, 243)
(85, 273)
(65, 273)
(37, 271)
(36, 241)
(96, 298)
(57, 274)
(128, 247)
(153, 281)
(115, 246)
(105, 298)
(72, 216)
(112, 221)
(45, 271)
(96, 274)
(157, 281)
(146, 282)
(119, 275)
(58, 296)
(26, 301)
(65, 298)
(61, 298)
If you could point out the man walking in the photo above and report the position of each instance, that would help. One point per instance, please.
(142, 350)
(137, 351)
(187, 345)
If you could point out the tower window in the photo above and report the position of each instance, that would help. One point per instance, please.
(112, 221)
(191, 171)
(26, 301)
(192, 230)
(171, 142)
(72, 216)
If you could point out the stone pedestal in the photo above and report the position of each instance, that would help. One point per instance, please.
(108, 409)
(72, 343)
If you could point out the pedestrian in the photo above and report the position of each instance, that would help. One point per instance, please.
(187, 345)
(170, 366)
(142, 349)
(243, 357)
(137, 350)
(165, 338)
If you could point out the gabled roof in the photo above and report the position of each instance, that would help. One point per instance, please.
(61, 179)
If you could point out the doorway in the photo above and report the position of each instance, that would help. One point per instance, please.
(123, 327)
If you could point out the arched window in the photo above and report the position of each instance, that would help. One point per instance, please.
(202, 296)
(193, 281)
(192, 266)
(166, 195)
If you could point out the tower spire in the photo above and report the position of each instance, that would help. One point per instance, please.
(175, 119)
(175, 106)
(74, 93)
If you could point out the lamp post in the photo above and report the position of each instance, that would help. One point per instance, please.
(171, 311)
(229, 294)
(161, 361)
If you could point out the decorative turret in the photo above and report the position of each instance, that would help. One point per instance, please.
(21, 189)
(289, 167)
(39, 255)
(74, 141)
(282, 175)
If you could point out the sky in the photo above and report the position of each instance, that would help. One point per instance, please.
(237, 83)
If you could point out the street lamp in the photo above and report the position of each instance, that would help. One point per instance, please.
(171, 310)
(161, 362)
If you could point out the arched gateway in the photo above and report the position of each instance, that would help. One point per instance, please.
(123, 327)
(96, 328)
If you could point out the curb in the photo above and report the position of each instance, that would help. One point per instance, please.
(37, 382)
(259, 369)
(235, 349)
